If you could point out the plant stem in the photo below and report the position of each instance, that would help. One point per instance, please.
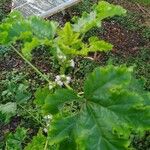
(33, 67)
(69, 87)
(46, 144)
(29, 63)
(31, 115)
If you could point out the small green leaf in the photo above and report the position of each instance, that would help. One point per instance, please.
(14, 140)
(43, 29)
(37, 143)
(99, 45)
(86, 22)
(29, 46)
(105, 10)
(8, 109)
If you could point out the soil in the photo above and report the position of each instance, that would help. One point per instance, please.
(125, 42)
(10, 62)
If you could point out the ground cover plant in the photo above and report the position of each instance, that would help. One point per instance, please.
(109, 107)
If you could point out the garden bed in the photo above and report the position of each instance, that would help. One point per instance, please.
(130, 36)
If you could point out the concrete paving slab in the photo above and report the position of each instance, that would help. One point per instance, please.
(43, 8)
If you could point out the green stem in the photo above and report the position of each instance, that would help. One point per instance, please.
(32, 66)
(46, 144)
(31, 115)
(29, 63)
(69, 87)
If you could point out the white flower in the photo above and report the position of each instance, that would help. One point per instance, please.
(72, 63)
(61, 79)
(68, 80)
(45, 130)
(48, 117)
(58, 78)
(60, 83)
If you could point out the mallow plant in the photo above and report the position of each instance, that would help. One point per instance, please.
(112, 104)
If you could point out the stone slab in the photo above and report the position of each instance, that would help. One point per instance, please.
(43, 8)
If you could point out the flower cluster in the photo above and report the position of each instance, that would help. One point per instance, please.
(62, 79)
(47, 120)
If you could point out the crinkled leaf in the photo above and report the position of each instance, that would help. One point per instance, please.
(110, 110)
(105, 10)
(68, 40)
(99, 45)
(104, 80)
(68, 36)
(101, 11)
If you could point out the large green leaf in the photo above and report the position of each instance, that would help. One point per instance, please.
(109, 111)
(32, 32)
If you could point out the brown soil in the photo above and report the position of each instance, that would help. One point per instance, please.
(10, 62)
(125, 42)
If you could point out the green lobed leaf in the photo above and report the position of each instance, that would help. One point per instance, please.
(109, 112)
(14, 140)
(101, 11)
(99, 45)
(105, 10)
